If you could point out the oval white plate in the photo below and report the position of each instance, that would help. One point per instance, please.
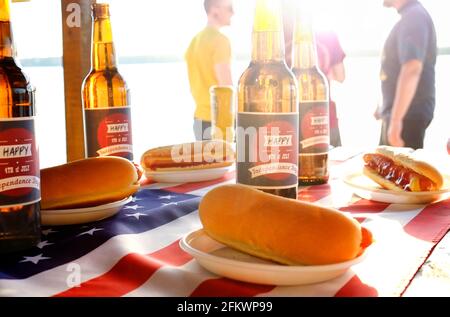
(81, 215)
(188, 176)
(227, 262)
(365, 188)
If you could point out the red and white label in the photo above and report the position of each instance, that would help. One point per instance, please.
(19, 162)
(267, 146)
(314, 127)
(277, 157)
(108, 132)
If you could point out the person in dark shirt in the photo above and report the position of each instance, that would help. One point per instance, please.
(408, 76)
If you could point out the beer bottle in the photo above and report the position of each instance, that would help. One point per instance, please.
(267, 119)
(19, 160)
(314, 137)
(107, 112)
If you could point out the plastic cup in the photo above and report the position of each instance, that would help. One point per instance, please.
(222, 113)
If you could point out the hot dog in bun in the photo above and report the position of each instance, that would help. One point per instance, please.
(192, 156)
(401, 172)
(280, 229)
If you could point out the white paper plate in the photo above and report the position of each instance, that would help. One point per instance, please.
(81, 215)
(188, 176)
(365, 188)
(227, 262)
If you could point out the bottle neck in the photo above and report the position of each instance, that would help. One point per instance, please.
(305, 55)
(268, 46)
(267, 38)
(103, 52)
(6, 34)
(305, 50)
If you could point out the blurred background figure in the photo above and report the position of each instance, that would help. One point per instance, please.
(408, 76)
(208, 61)
(331, 60)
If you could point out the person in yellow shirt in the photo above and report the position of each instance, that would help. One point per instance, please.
(208, 61)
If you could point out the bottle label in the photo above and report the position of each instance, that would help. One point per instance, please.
(108, 132)
(267, 149)
(314, 127)
(19, 163)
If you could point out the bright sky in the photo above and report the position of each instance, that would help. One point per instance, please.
(160, 27)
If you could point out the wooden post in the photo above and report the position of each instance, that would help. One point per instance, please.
(76, 21)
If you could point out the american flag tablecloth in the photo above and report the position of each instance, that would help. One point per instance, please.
(136, 252)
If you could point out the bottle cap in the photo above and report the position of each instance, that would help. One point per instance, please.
(268, 16)
(100, 10)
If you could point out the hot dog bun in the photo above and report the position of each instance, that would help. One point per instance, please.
(394, 169)
(280, 229)
(89, 182)
(192, 156)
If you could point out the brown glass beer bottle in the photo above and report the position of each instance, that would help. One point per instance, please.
(106, 99)
(19, 160)
(314, 134)
(267, 118)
